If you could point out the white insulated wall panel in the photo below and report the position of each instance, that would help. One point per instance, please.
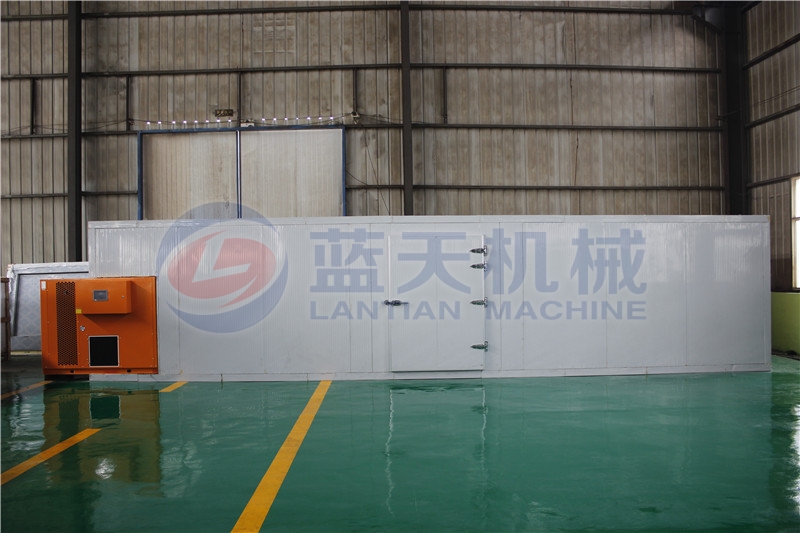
(635, 343)
(720, 283)
(302, 298)
(545, 260)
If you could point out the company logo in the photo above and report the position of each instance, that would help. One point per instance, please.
(218, 276)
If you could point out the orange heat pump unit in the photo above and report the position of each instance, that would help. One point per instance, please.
(99, 326)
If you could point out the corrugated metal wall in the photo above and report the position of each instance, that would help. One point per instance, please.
(773, 67)
(34, 145)
(522, 108)
(566, 112)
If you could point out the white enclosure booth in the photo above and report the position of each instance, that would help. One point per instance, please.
(410, 297)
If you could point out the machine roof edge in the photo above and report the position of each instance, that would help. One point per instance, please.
(442, 219)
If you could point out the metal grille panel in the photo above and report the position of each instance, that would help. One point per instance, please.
(66, 324)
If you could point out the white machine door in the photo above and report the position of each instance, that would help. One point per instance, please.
(436, 307)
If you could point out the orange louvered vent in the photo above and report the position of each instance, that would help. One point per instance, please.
(66, 326)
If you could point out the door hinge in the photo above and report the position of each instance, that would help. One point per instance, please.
(479, 266)
(483, 302)
(394, 302)
(482, 250)
(484, 346)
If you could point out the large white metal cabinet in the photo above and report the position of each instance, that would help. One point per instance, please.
(436, 303)
(392, 298)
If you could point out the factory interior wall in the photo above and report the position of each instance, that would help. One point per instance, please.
(614, 109)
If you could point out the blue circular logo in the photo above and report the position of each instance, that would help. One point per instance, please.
(218, 276)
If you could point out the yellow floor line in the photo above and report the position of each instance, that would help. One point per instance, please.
(23, 389)
(254, 514)
(23, 467)
(174, 386)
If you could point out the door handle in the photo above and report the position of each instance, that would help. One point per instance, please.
(394, 302)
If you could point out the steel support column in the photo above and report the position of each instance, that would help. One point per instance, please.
(33, 107)
(408, 153)
(736, 114)
(74, 192)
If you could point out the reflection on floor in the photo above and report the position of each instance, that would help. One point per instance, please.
(705, 452)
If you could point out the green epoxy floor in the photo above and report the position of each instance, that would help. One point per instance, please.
(710, 452)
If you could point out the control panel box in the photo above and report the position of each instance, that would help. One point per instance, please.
(103, 297)
(99, 326)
